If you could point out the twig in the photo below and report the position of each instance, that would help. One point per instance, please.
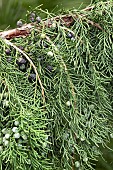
(94, 24)
(71, 83)
(30, 61)
(17, 32)
(66, 20)
(26, 29)
(66, 71)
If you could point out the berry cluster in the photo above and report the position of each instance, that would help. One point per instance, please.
(10, 132)
(11, 135)
(32, 18)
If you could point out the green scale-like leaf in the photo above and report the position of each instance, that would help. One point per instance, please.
(68, 129)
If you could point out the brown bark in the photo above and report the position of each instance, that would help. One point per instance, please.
(66, 20)
(17, 32)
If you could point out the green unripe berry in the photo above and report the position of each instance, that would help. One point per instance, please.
(68, 103)
(24, 137)
(7, 136)
(16, 135)
(6, 103)
(6, 142)
(4, 131)
(85, 159)
(77, 164)
(15, 129)
(50, 53)
(43, 36)
(5, 95)
(82, 139)
(16, 123)
(111, 135)
(28, 161)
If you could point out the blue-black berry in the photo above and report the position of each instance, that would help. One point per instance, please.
(70, 35)
(21, 61)
(49, 68)
(45, 45)
(32, 19)
(21, 47)
(8, 51)
(32, 77)
(38, 19)
(32, 15)
(19, 23)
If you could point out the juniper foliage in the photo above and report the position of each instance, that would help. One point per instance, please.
(65, 127)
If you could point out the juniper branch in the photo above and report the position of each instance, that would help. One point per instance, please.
(76, 87)
(26, 29)
(66, 20)
(31, 63)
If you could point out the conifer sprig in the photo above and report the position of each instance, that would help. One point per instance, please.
(74, 65)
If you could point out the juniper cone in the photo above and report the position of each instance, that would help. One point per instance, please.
(57, 119)
(38, 19)
(8, 51)
(19, 23)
